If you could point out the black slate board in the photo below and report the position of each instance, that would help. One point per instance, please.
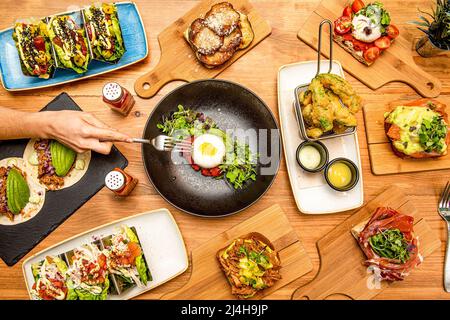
(17, 240)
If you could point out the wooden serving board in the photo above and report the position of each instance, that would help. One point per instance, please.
(178, 61)
(207, 280)
(342, 272)
(395, 64)
(382, 158)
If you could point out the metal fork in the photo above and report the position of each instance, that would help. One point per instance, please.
(166, 143)
(444, 211)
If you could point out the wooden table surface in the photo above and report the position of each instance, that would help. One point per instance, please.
(257, 70)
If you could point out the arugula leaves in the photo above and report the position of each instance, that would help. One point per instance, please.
(239, 165)
(390, 244)
(432, 134)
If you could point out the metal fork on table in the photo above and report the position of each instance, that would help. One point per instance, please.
(166, 143)
(444, 211)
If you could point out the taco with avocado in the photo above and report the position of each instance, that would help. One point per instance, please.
(55, 165)
(51, 281)
(34, 48)
(70, 43)
(21, 196)
(125, 258)
(88, 272)
(104, 32)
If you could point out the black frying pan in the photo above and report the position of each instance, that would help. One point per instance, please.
(231, 106)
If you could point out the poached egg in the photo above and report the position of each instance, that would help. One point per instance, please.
(208, 151)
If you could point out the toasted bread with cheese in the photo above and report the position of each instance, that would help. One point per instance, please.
(219, 35)
(402, 125)
(222, 18)
(203, 39)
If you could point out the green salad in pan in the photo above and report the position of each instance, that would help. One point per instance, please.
(214, 153)
(105, 35)
(70, 43)
(34, 48)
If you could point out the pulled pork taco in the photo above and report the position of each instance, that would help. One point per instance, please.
(55, 165)
(21, 196)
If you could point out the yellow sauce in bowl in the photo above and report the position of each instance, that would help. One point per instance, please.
(339, 175)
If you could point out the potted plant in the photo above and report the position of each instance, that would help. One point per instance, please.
(436, 26)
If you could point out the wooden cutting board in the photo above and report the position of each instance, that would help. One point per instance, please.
(207, 280)
(178, 61)
(395, 64)
(342, 272)
(382, 158)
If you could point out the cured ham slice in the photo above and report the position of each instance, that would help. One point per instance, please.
(383, 220)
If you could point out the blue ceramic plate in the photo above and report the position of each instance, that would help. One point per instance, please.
(135, 43)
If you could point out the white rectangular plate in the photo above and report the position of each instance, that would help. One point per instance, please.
(161, 242)
(311, 192)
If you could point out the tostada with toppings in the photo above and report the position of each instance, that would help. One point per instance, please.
(70, 43)
(21, 196)
(365, 31)
(104, 33)
(34, 48)
(389, 243)
(55, 165)
(418, 129)
(51, 281)
(250, 264)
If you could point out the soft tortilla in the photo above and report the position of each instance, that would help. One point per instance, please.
(72, 177)
(36, 189)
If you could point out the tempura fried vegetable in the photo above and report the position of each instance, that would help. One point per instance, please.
(329, 104)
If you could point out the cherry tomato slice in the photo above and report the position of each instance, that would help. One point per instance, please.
(372, 54)
(215, 172)
(392, 31)
(347, 11)
(39, 43)
(383, 43)
(357, 5)
(343, 25)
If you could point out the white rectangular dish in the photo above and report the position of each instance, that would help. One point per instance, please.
(161, 241)
(311, 192)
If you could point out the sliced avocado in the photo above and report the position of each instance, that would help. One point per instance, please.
(62, 158)
(17, 191)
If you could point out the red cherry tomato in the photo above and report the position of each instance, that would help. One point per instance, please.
(360, 45)
(372, 54)
(347, 11)
(343, 25)
(195, 167)
(206, 173)
(383, 43)
(392, 31)
(357, 5)
(215, 172)
(83, 47)
(39, 43)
